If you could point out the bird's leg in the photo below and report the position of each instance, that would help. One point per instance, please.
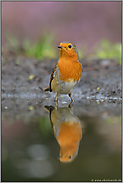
(71, 100)
(56, 98)
(70, 97)
(56, 105)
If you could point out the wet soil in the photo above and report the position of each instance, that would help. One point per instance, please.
(100, 81)
(105, 74)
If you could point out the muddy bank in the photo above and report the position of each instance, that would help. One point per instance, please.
(101, 79)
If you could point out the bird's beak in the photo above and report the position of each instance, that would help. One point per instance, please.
(59, 46)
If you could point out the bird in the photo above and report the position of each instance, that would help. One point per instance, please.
(67, 129)
(67, 71)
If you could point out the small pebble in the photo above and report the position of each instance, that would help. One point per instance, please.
(105, 62)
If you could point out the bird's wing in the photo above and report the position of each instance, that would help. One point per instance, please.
(53, 75)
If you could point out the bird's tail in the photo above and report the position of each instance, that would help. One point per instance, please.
(49, 108)
(47, 89)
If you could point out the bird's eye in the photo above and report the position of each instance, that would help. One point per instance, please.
(69, 157)
(69, 46)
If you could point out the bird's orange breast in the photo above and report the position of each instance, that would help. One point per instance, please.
(69, 69)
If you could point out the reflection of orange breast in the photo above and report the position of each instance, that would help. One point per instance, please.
(69, 137)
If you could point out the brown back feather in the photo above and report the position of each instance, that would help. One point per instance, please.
(52, 76)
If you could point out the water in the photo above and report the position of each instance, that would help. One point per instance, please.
(81, 143)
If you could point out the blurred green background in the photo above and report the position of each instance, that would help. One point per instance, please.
(36, 28)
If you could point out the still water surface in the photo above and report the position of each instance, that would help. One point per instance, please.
(43, 143)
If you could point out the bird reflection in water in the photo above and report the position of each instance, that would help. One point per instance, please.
(67, 129)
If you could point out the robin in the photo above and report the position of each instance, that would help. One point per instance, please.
(67, 71)
(67, 130)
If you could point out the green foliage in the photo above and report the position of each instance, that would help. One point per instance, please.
(106, 50)
(42, 49)
(12, 43)
(44, 126)
(83, 51)
(114, 119)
